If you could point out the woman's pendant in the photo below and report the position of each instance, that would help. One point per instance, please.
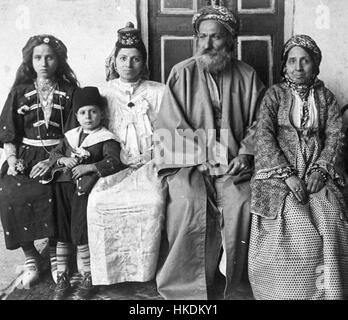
(44, 103)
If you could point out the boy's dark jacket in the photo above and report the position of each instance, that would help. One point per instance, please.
(99, 147)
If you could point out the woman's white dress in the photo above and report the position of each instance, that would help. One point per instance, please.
(125, 211)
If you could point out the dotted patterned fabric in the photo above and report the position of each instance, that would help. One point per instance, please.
(303, 253)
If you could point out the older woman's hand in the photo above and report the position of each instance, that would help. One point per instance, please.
(315, 182)
(298, 188)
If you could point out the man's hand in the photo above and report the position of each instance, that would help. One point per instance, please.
(238, 164)
(69, 162)
(298, 188)
(315, 182)
(39, 169)
(205, 167)
(82, 170)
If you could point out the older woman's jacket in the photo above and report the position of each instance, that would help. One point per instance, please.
(276, 145)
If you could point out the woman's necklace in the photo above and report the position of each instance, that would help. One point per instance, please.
(129, 89)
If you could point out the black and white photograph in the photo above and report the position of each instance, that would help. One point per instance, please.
(173, 153)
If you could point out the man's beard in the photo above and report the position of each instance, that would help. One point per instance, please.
(214, 61)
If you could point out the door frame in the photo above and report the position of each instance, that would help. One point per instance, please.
(143, 19)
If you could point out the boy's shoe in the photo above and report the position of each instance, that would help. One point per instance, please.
(85, 289)
(63, 287)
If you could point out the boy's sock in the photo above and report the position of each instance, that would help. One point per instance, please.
(83, 254)
(63, 253)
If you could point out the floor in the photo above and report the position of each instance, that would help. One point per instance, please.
(125, 291)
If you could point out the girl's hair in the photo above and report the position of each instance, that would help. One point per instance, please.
(26, 73)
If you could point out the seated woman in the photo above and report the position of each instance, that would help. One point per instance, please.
(125, 210)
(298, 246)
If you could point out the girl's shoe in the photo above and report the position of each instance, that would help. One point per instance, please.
(31, 273)
(30, 276)
(54, 271)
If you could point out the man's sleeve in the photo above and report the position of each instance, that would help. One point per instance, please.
(257, 91)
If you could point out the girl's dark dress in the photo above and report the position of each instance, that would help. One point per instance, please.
(25, 204)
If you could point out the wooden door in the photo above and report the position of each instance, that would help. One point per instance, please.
(259, 43)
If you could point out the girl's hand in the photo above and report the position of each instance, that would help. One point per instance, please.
(39, 169)
(11, 171)
(82, 170)
(315, 182)
(69, 162)
(298, 188)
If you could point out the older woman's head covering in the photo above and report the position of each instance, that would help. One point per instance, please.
(128, 37)
(306, 43)
(217, 13)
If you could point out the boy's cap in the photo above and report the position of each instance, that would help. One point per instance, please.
(87, 96)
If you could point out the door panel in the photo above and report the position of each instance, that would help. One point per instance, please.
(174, 49)
(256, 6)
(259, 43)
(178, 6)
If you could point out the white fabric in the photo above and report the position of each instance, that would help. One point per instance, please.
(125, 211)
(297, 111)
(96, 136)
(125, 217)
(132, 126)
(40, 143)
(10, 150)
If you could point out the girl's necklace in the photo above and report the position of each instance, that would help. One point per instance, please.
(45, 89)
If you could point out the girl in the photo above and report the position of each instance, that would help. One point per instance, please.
(32, 122)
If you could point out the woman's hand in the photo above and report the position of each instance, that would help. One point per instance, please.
(39, 169)
(11, 171)
(298, 188)
(68, 162)
(315, 182)
(82, 169)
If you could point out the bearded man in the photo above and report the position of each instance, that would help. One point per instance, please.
(210, 104)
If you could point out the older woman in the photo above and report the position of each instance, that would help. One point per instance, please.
(125, 210)
(299, 235)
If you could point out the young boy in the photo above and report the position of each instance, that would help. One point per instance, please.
(86, 153)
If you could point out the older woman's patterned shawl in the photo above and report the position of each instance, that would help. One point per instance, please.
(276, 142)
